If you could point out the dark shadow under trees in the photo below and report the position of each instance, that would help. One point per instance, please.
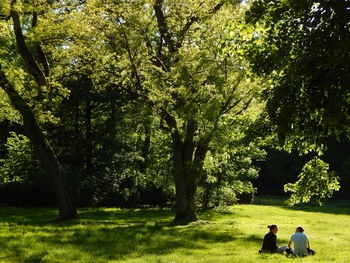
(106, 234)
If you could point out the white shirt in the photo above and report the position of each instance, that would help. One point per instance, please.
(300, 241)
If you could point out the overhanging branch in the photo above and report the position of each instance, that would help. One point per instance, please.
(25, 53)
(41, 55)
(162, 26)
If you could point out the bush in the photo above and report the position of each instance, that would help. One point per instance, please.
(245, 198)
(23, 182)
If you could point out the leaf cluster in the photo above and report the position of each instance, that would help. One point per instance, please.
(313, 182)
(301, 49)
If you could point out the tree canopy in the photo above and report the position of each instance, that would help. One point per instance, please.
(127, 101)
(302, 47)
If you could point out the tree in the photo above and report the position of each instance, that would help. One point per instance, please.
(173, 62)
(301, 47)
(29, 91)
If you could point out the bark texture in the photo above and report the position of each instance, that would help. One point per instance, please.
(188, 159)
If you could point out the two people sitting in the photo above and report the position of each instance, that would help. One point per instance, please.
(298, 239)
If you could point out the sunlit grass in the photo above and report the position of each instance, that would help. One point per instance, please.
(140, 236)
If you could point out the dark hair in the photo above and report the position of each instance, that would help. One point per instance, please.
(300, 229)
(272, 227)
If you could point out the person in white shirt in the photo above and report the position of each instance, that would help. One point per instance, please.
(301, 243)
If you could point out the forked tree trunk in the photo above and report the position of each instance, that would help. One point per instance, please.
(47, 157)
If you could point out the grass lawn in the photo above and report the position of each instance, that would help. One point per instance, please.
(133, 235)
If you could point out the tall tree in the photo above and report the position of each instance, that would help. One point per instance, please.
(301, 49)
(35, 79)
(172, 60)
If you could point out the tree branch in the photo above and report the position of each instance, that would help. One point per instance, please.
(163, 127)
(245, 106)
(181, 34)
(25, 53)
(29, 119)
(217, 8)
(199, 156)
(156, 60)
(131, 58)
(170, 120)
(41, 55)
(162, 26)
(4, 17)
(189, 144)
(227, 108)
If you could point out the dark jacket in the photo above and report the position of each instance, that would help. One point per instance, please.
(269, 243)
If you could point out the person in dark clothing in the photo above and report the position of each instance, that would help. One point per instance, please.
(270, 242)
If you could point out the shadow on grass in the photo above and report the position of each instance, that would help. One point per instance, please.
(270, 200)
(140, 240)
(104, 234)
(48, 216)
(331, 206)
(254, 238)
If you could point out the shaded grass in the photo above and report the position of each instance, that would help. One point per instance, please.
(136, 235)
(332, 206)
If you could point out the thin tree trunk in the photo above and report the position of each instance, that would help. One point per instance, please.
(146, 146)
(88, 138)
(207, 194)
(218, 186)
(76, 126)
(145, 152)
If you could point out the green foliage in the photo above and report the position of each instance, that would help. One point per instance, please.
(6, 111)
(227, 175)
(112, 70)
(20, 163)
(300, 48)
(229, 167)
(196, 90)
(314, 181)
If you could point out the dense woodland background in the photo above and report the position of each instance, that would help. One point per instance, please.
(188, 104)
(277, 168)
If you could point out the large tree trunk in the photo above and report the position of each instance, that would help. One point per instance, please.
(46, 155)
(185, 187)
(188, 158)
